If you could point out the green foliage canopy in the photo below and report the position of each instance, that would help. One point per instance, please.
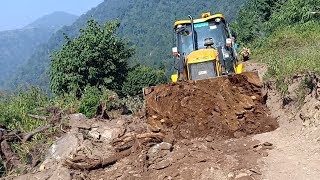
(97, 57)
(141, 77)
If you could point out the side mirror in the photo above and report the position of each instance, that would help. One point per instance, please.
(228, 42)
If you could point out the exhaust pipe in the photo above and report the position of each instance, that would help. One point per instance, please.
(193, 34)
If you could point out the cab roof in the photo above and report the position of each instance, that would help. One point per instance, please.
(204, 19)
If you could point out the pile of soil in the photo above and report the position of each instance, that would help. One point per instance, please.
(225, 107)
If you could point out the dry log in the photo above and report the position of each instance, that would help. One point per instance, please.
(44, 118)
(151, 135)
(11, 158)
(28, 136)
(128, 141)
(85, 163)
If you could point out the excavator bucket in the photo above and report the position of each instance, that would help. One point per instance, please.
(223, 107)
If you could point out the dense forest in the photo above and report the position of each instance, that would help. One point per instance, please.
(17, 46)
(146, 24)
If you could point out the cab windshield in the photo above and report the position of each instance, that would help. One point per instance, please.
(215, 30)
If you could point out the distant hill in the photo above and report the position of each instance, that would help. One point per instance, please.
(17, 46)
(53, 20)
(146, 24)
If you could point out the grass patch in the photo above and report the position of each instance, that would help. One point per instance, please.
(290, 51)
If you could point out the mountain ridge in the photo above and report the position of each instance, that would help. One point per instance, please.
(56, 19)
(17, 46)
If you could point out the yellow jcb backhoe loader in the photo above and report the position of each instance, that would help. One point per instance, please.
(204, 48)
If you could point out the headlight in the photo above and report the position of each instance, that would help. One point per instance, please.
(218, 20)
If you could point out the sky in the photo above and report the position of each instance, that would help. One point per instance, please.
(16, 14)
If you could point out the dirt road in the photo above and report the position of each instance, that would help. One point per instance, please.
(291, 152)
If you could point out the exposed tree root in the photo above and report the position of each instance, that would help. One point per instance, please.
(86, 163)
(124, 146)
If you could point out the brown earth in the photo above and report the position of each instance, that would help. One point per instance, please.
(225, 107)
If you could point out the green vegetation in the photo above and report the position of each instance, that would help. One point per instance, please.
(95, 58)
(292, 50)
(141, 77)
(14, 109)
(89, 101)
(284, 34)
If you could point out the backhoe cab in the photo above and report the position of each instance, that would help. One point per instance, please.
(204, 48)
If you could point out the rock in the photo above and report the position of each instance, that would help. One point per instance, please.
(60, 150)
(253, 97)
(159, 151)
(79, 121)
(95, 134)
(231, 175)
(161, 165)
(56, 173)
(78, 117)
(209, 138)
(248, 106)
(64, 147)
(110, 133)
(267, 144)
(243, 176)
(61, 173)
(239, 134)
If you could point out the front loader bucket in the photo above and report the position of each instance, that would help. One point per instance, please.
(223, 107)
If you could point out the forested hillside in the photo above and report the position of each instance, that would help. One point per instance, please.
(17, 46)
(146, 24)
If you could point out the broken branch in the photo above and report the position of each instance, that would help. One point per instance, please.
(28, 136)
(44, 118)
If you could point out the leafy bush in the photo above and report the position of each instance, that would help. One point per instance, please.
(133, 103)
(93, 97)
(69, 103)
(141, 77)
(97, 57)
(89, 101)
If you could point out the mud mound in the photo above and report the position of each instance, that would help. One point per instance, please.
(226, 107)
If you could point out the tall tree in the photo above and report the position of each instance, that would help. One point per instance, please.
(97, 57)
